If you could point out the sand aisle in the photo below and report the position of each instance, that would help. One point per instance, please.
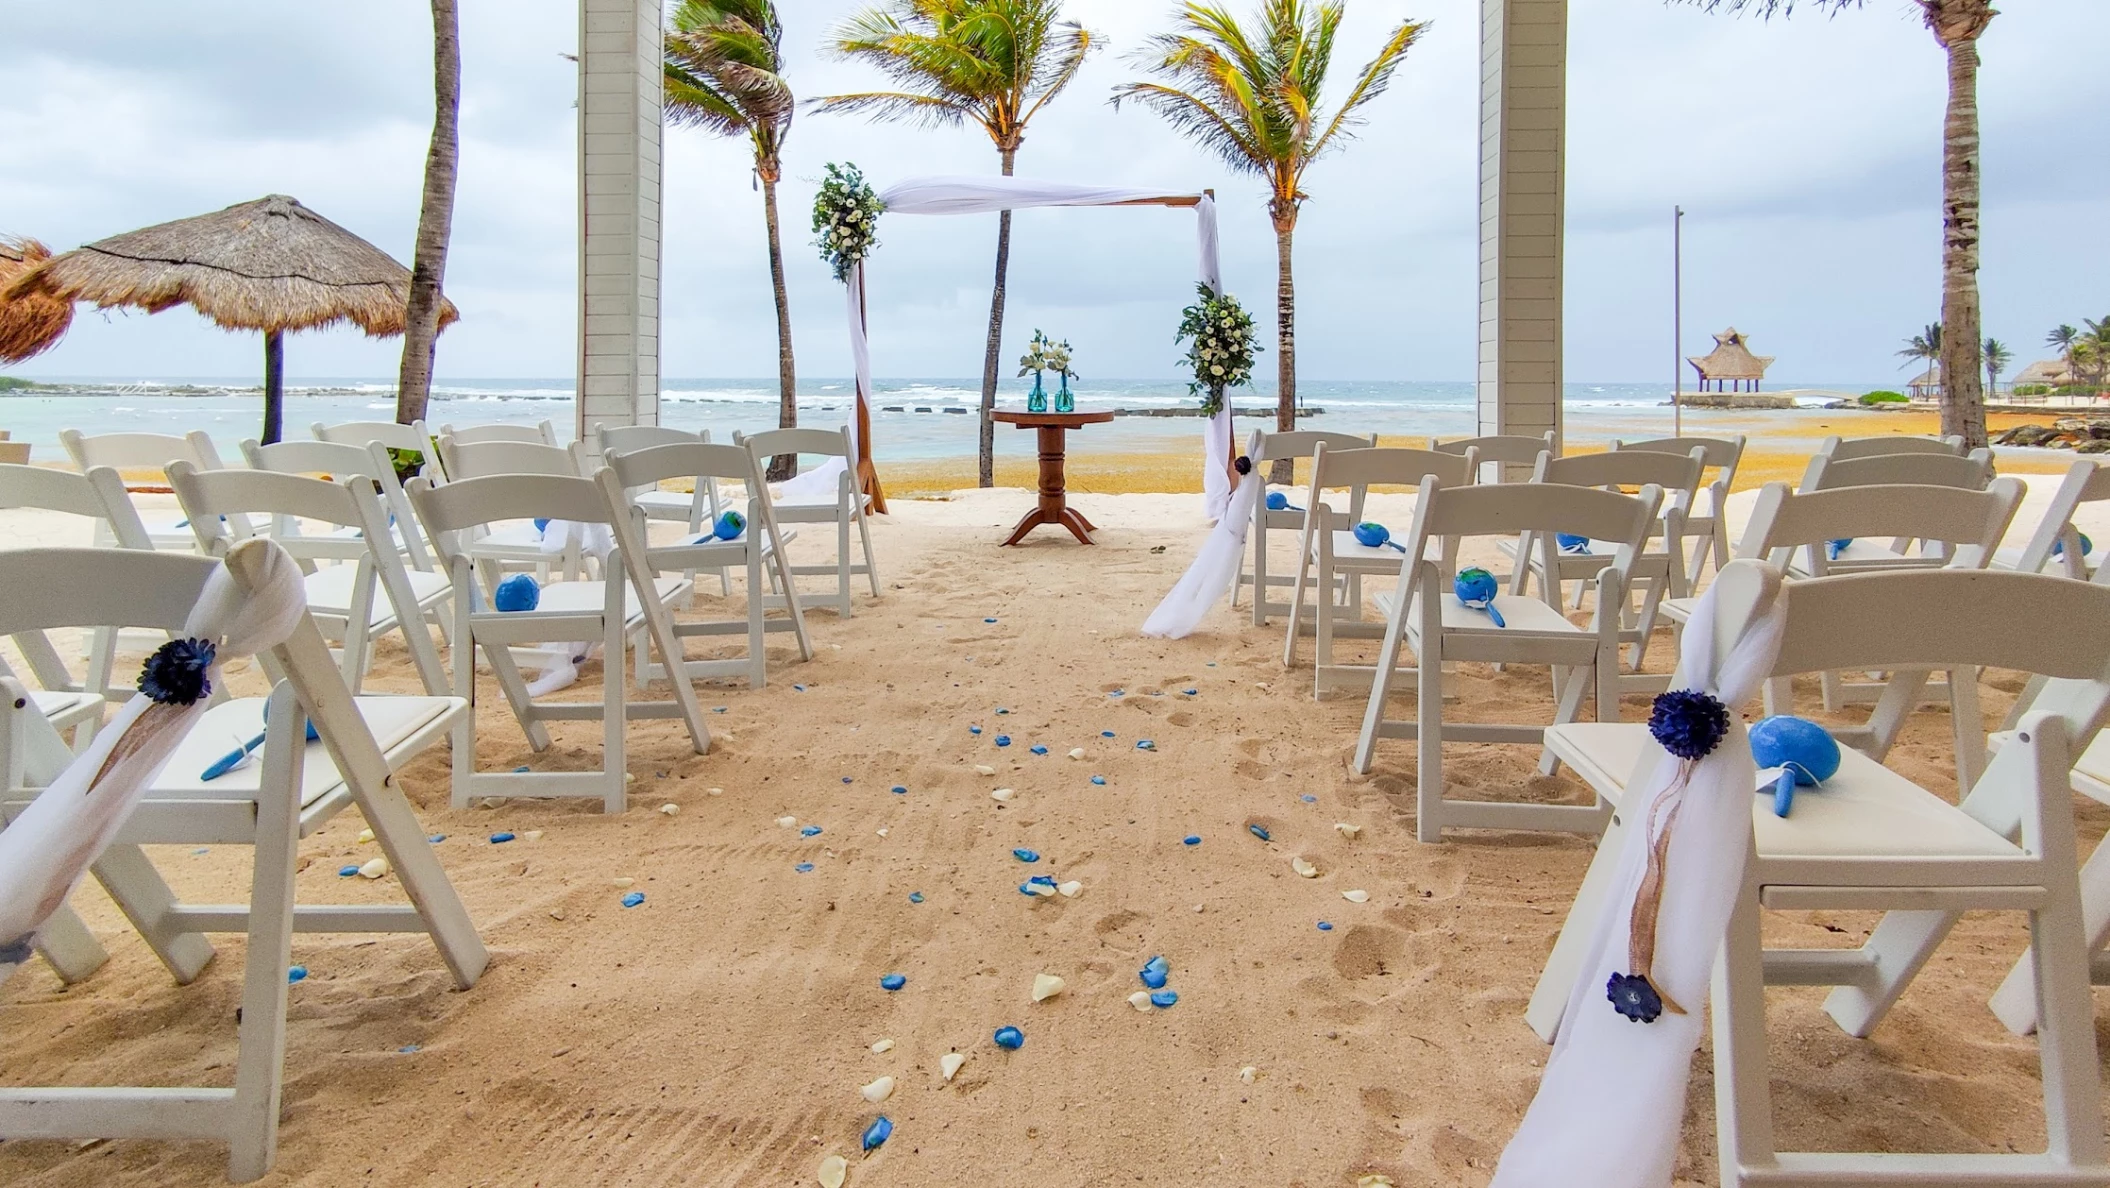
(718, 1033)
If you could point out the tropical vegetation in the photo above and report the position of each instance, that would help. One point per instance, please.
(1997, 356)
(724, 68)
(1253, 95)
(991, 63)
(428, 260)
(1924, 347)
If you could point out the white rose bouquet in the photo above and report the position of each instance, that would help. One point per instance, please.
(1219, 334)
(846, 219)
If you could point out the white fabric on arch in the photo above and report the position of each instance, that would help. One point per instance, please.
(46, 851)
(1612, 1102)
(1215, 567)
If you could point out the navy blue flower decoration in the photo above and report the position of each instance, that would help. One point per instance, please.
(1688, 723)
(176, 673)
(1633, 997)
(1244, 464)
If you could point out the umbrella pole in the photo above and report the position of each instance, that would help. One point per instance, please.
(274, 386)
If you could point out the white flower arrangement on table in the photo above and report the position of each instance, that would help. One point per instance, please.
(846, 219)
(1046, 354)
(1221, 346)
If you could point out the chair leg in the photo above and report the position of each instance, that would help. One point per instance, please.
(2016, 1000)
(1428, 715)
(1743, 1098)
(864, 532)
(757, 658)
(2073, 1121)
(140, 893)
(1322, 641)
(69, 948)
(842, 566)
(1901, 943)
(260, 1064)
(1549, 999)
(615, 710)
(1296, 598)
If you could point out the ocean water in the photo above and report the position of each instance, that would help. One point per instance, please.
(934, 419)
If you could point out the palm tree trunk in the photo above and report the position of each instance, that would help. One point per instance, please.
(1285, 340)
(1957, 24)
(428, 267)
(783, 466)
(996, 337)
(274, 386)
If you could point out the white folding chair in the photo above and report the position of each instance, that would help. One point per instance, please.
(148, 453)
(540, 433)
(758, 548)
(1332, 563)
(97, 496)
(1870, 839)
(1708, 527)
(1503, 456)
(1266, 447)
(840, 503)
(694, 509)
(340, 596)
(1660, 570)
(1971, 472)
(269, 805)
(1425, 615)
(1845, 448)
(338, 460)
(610, 611)
(513, 543)
(413, 438)
(2057, 542)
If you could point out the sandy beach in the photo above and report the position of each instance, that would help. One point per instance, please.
(718, 1033)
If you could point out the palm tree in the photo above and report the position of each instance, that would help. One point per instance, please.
(994, 63)
(724, 66)
(2096, 346)
(1253, 97)
(1924, 345)
(2064, 338)
(1997, 357)
(428, 260)
(1957, 25)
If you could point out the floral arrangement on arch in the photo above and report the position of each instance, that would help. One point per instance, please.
(846, 219)
(1221, 346)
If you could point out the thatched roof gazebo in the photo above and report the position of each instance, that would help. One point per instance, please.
(271, 265)
(1730, 367)
(34, 324)
(1927, 385)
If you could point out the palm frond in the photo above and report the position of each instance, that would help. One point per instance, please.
(1376, 77)
(1204, 124)
(927, 110)
(1767, 9)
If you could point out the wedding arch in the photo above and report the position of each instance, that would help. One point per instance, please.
(990, 194)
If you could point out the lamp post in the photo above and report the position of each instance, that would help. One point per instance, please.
(1677, 320)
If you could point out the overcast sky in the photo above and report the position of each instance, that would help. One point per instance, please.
(1806, 153)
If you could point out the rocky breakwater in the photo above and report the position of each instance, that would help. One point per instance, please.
(2085, 435)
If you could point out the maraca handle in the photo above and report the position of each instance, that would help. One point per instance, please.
(1784, 792)
(1496, 615)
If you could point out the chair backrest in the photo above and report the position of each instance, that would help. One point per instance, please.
(623, 439)
(391, 435)
(1677, 474)
(1263, 446)
(1844, 448)
(1509, 449)
(471, 503)
(1972, 472)
(1970, 522)
(1506, 509)
(340, 460)
(828, 443)
(2085, 482)
(542, 433)
(690, 459)
(1358, 469)
(217, 501)
(97, 494)
(139, 451)
(473, 459)
(1722, 453)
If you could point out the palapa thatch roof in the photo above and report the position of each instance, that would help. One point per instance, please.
(271, 265)
(2045, 371)
(1731, 359)
(34, 324)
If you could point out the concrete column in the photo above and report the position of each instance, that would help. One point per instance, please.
(620, 92)
(1523, 127)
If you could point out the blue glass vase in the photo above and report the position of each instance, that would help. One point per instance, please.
(1037, 400)
(1064, 401)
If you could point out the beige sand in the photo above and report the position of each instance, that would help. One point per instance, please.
(718, 1034)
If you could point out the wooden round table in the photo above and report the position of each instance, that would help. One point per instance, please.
(1052, 509)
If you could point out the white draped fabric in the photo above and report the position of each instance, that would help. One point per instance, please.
(1209, 576)
(45, 852)
(991, 193)
(1612, 1102)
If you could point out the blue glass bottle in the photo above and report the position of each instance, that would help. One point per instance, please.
(1037, 401)
(1064, 401)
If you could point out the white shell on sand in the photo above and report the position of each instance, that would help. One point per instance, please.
(1347, 830)
(533, 835)
(1002, 794)
(366, 835)
(1076, 752)
(882, 1047)
(878, 1090)
(881, 831)
(714, 791)
(787, 822)
(1356, 896)
(1071, 889)
(624, 883)
(1247, 1074)
(1140, 1000)
(1303, 868)
(984, 769)
(1046, 986)
(949, 1064)
(834, 1170)
(374, 868)
(670, 808)
(1042, 890)
(1373, 1180)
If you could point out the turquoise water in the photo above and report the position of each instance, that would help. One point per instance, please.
(935, 417)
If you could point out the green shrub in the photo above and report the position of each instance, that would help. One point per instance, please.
(1885, 398)
(2076, 390)
(2032, 389)
(9, 383)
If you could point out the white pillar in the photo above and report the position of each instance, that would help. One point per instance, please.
(620, 92)
(1523, 123)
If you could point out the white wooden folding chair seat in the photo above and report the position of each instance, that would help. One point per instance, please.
(1706, 521)
(610, 612)
(150, 453)
(1845, 448)
(1870, 839)
(341, 597)
(539, 433)
(798, 501)
(1441, 629)
(1504, 457)
(758, 550)
(281, 795)
(2056, 543)
(1267, 447)
(98, 496)
(1332, 563)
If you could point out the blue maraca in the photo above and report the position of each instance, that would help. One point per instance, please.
(517, 593)
(729, 526)
(1372, 535)
(1832, 548)
(1805, 752)
(1277, 501)
(2058, 547)
(1476, 588)
(541, 524)
(1571, 543)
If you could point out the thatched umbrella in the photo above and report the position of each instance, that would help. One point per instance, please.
(271, 265)
(34, 324)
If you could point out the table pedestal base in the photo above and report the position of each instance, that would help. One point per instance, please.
(1067, 517)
